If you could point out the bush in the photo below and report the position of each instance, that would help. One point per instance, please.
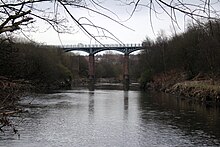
(145, 78)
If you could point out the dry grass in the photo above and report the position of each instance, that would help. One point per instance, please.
(204, 85)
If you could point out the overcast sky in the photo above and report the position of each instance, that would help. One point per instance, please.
(139, 23)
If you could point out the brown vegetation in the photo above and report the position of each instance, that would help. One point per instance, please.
(192, 56)
(202, 88)
(10, 92)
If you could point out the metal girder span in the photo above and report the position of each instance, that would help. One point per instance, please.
(96, 49)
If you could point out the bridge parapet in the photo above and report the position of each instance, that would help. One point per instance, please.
(95, 48)
(100, 45)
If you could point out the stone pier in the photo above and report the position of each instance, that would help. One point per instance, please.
(91, 72)
(126, 72)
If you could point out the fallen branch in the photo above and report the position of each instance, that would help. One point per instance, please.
(10, 112)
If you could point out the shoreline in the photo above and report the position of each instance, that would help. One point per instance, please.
(200, 88)
(10, 93)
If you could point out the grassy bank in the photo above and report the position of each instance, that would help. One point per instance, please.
(203, 91)
(201, 88)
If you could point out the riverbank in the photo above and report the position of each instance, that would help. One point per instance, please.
(11, 90)
(201, 88)
(10, 93)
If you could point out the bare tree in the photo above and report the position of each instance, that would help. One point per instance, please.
(195, 10)
(17, 14)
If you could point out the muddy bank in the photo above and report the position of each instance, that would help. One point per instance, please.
(201, 87)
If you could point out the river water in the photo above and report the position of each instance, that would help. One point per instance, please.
(112, 118)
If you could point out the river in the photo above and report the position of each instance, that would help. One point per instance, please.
(112, 118)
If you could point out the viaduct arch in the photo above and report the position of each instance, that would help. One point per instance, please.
(93, 49)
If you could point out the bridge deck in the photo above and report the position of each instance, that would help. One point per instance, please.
(93, 49)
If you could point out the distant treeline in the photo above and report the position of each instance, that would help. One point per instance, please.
(51, 68)
(45, 67)
(195, 51)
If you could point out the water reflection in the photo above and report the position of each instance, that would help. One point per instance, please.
(91, 103)
(194, 120)
(126, 100)
(115, 118)
(126, 105)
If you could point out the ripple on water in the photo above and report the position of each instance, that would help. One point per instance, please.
(111, 118)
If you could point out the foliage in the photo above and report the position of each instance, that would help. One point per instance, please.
(76, 64)
(146, 77)
(109, 66)
(46, 67)
(194, 51)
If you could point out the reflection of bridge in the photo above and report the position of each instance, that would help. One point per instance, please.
(93, 49)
